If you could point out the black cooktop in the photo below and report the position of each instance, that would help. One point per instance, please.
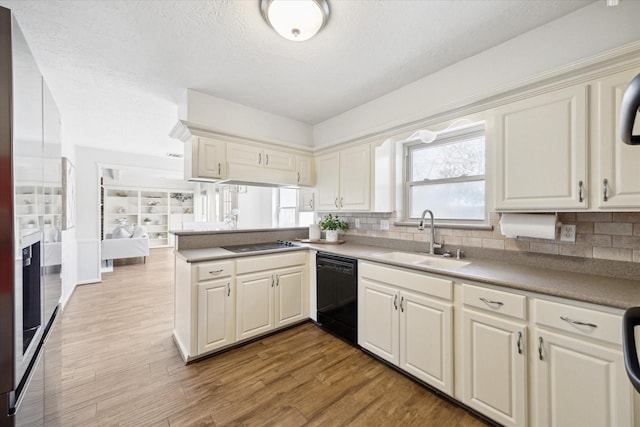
(266, 246)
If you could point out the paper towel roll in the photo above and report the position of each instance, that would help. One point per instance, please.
(529, 225)
(314, 232)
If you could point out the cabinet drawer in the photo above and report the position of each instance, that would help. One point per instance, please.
(423, 283)
(270, 262)
(214, 270)
(505, 303)
(581, 321)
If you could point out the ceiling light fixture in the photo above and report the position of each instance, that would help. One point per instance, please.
(296, 20)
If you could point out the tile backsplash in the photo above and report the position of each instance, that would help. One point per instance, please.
(599, 235)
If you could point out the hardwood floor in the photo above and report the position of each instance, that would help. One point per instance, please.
(121, 368)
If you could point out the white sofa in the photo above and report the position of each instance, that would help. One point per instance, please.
(125, 248)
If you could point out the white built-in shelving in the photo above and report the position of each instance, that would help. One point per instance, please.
(158, 211)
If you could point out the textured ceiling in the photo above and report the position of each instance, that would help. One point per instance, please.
(118, 68)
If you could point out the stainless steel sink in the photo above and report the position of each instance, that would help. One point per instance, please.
(422, 259)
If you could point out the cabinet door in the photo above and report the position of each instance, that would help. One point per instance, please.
(618, 171)
(580, 384)
(211, 159)
(355, 179)
(254, 304)
(328, 173)
(494, 374)
(290, 296)
(216, 315)
(240, 154)
(280, 160)
(378, 320)
(541, 151)
(304, 166)
(426, 340)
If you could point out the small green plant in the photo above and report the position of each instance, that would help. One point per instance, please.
(146, 220)
(331, 222)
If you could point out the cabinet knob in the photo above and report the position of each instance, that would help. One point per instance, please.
(605, 190)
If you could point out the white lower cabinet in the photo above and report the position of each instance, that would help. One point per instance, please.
(494, 332)
(495, 367)
(216, 315)
(407, 328)
(271, 298)
(255, 305)
(220, 303)
(580, 377)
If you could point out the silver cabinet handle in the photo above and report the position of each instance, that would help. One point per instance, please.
(395, 301)
(580, 191)
(401, 306)
(259, 158)
(540, 348)
(342, 202)
(219, 168)
(578, 323)
(519, 344)
(311, 203)
(298, 177)
(216, 272)
(490, 302)
(228, 289)
(277, 280)
(336, 202)
(272, 280)
(266, 156)
(605, 190)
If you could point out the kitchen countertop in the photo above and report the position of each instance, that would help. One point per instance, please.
(602, 290)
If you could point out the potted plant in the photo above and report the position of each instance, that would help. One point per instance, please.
(331, 224)
(146, 221)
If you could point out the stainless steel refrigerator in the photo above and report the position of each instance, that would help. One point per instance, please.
(30, 253)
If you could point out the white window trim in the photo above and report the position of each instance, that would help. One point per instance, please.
(445, 137)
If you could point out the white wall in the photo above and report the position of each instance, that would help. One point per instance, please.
(236, 119)
(584, 33)
(88, 200)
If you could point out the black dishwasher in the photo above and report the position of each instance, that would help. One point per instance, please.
(337, 295)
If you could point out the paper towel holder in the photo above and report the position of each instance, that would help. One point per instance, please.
(558, 225)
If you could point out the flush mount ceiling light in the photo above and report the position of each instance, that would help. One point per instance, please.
(295, 20)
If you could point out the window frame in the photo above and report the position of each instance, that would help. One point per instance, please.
(454, 136)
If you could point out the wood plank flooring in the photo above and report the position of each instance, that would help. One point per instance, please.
(121, 368)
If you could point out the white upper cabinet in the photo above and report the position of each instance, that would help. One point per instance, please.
(305, 172)
(355, 178)
(541, 151)
(344, 180)
(205, 159)
(251, 163)
(616, 172)
(255, 156)
(328, 185)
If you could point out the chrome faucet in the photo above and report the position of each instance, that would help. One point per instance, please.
(431, 233)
